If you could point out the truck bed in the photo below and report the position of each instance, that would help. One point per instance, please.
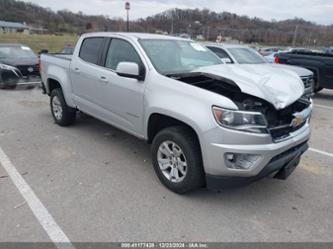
(59, 62)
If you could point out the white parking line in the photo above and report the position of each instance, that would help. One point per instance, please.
(321, 152)
(39, 210)
(324, 107)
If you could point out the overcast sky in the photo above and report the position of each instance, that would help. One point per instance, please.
(320, 11)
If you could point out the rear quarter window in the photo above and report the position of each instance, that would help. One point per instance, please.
(90, 48)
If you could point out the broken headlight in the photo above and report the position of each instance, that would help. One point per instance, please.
(241, 120)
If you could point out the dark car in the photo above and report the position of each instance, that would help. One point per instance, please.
(18, 65)
(319, 63)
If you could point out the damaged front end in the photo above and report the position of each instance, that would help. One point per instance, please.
(11, 77)
(280, 123)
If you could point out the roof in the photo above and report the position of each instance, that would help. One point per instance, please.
(223, 45)
(16, 25)
(136, 35)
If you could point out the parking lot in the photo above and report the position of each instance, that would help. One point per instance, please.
(97, 184)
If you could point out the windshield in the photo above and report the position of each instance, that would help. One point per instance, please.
(177, 56)
(16, 52)
(246, 56)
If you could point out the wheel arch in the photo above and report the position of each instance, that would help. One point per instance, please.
(158, 121)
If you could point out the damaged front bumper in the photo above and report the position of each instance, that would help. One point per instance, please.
(269, 158)
(280, 167)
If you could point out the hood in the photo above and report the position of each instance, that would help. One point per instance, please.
(302, 72)
(281, 87)
(19, 62)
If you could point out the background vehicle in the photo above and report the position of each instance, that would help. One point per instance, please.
(268, 51)
(319, 63)
(68, 49)
(209, 123)
(18, 65)
(237, 54)
(329, 50)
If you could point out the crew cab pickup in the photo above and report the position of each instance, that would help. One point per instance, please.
(320, 64)
(210, 124)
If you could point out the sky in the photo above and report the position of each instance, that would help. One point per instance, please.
(319, 11)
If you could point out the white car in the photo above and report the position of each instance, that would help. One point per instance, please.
(238, 54)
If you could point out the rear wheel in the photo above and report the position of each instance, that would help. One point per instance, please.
(177, 159)
(62, 114)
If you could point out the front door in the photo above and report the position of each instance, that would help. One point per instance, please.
(122, 97)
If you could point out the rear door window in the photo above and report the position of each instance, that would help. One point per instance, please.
(90, 49)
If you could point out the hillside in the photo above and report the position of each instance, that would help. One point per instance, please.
(192, 21)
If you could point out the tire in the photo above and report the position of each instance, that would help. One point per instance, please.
(318, 89)
(63, 115)
(191, 177)
(10, 87)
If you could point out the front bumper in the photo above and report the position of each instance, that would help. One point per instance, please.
(219, 141)
(281, 166)
(31, 81)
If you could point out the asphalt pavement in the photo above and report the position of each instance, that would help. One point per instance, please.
(98, 185)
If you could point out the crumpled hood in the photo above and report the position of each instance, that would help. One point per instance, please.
(281, 87)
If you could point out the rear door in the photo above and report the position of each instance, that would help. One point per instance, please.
(85, 70)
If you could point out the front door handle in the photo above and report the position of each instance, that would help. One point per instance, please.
(103, 79)
(77, 70)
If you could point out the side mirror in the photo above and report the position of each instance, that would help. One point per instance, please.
(129, 70)
(226, 60)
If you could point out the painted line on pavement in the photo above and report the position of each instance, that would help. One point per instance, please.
(52, 229)
(324, 107)
(321, 152)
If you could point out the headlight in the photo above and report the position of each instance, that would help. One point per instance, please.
(241, 120)
(6, 67)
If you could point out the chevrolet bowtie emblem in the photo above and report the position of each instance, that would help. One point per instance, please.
(297, 121)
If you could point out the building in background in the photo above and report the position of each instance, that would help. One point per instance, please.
(16, 27)
(13, 27)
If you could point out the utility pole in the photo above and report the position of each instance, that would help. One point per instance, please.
(127, 7)
(172, 22)
(295, 36)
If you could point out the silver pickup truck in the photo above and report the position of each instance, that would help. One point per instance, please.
(210, 124)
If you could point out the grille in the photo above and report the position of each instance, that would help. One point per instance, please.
(25, 70)
(282, 126)
(281, 133)
(308, 81)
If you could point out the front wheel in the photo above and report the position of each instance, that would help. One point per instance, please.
(177, 159)
(62, 114)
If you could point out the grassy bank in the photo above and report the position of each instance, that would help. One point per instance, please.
(54, 43)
